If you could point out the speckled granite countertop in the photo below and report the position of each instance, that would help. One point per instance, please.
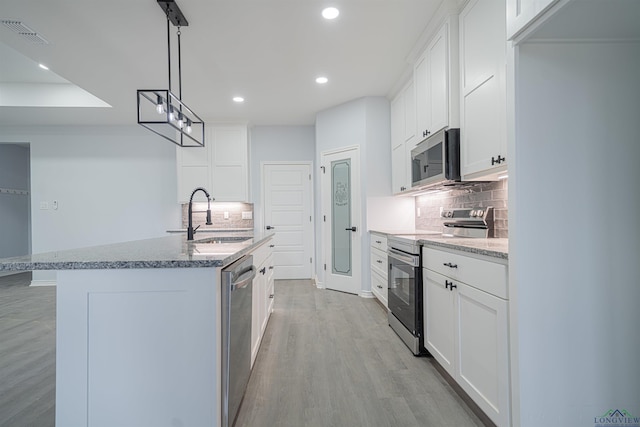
(495, 248)
(164, 252)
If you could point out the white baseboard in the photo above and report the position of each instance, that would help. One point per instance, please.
(366, 294)
(43, 283)
(318, 283)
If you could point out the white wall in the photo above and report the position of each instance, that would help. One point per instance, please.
(575, 255)
(363, 122)
(112, 184)
(14, 208)
(275, 143)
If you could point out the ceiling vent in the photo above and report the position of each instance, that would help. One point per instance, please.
(26, 33)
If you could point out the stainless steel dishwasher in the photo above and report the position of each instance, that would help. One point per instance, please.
(237, 288)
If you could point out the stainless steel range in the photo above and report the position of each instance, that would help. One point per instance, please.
(406, 315)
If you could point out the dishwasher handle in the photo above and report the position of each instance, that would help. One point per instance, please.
(243, 278)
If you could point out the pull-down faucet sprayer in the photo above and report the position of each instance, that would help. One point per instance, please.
(190, 230)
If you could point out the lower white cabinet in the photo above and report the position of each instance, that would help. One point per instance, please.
(263, 295)
(466, 326)
(379, 266)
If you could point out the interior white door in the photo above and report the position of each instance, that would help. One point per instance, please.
(341, 214)
(287, 211)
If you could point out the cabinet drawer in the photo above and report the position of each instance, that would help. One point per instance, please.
(379, 262)
(379, 242)
(487, 276)
(379, 287)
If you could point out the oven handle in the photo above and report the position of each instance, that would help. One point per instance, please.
(412, 260)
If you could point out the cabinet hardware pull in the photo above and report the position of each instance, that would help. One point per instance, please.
(425, 133)
(270, 227)
(271, 267)
(272, 246)
(379, 261)
(263, 270)
(448, 264)
(271, 296)
(446, 284)
(452, 285)
(499, 160)
(380, 287)
(379, 241)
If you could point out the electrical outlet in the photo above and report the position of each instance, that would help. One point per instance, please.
(54, 205)
(247, 215)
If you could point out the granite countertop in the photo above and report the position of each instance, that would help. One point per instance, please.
(163, 252)
(492, 247)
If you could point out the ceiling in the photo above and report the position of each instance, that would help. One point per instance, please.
(269, 52)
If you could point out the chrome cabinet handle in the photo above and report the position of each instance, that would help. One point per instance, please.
(448, 264)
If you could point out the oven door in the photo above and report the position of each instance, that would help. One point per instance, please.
(403, 269)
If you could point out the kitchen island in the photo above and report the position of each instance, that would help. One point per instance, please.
(138, 329)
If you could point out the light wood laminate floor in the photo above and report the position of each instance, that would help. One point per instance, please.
(327, 359)
(330, 359)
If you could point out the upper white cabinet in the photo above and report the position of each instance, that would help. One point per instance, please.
(483, 116)
(403, 128)
(522, 13)
(436, 82)
(221, 166)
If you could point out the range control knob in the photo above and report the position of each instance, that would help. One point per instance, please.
(472, 214)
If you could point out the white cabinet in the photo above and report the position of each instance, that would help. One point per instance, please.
(522, 13)
(483, 116)
(466, 326)
(263, 295)
(403, 127)
(436, 82)
(379, 267)
(221, 166)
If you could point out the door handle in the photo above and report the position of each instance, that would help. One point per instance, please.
(351, 229)
(270, 227)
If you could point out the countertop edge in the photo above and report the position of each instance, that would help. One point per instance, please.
(8, 264)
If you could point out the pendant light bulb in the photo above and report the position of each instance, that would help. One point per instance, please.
(171, 115)
(160, 105)
(188, 129)
(180, 120)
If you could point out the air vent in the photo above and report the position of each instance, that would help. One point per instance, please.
(26, 33)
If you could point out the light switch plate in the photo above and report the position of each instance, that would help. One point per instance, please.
(226, 215)
(247, 215)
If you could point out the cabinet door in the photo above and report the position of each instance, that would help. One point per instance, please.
(438, 80)
(230, 171)
(423, 104)
(409, 101)
(482, 351)
(193, 171)
(439, 319)
(397, 121)
(399, 170)
(379, 287)
(483, 88)
(256, 314)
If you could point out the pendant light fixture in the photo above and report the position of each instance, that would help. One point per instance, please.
(162, 112)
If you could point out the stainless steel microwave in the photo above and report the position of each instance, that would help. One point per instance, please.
(436, 160)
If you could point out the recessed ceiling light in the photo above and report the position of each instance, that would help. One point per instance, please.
(330, 13)
(44, 67)
(322, 80)
(238, 99)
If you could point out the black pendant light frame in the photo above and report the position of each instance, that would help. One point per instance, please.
(178, 120)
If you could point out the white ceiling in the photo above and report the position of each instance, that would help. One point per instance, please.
(270, 52)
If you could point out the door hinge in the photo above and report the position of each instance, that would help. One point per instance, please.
(309, 177)
(324, 218)
(309, 218)
(310, 260)
(325, 267)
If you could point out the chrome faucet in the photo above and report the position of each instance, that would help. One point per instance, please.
(190, 230)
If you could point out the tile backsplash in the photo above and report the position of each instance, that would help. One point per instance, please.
(218, 209)
(482, 195)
